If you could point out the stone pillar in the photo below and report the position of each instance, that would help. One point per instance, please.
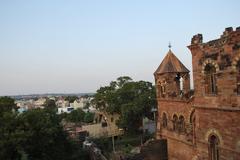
(186, 83)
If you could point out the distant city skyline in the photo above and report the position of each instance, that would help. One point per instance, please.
(77, 46)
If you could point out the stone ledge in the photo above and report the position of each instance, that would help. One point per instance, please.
(221, 147)
(218, 108)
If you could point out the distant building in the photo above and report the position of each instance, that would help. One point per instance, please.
(104, 125)
(148, 126)
(203, 126)
(65, 110)
(61, 103)
(79, 103)
(39, 103)
(25, 104)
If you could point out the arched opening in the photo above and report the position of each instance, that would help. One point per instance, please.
(163, 90)
(164, 120)
(181, 84)
(238, 78)
(181, 125)
(213, 147)
(193, 125)
(175, 120)
(210, 79)
(178, 84)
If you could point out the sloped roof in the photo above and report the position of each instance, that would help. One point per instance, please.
(171, 64)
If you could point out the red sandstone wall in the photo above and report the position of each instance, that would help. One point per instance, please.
(222, 52)
(179, 150)
(225, 124)
(179, 144)
(218, 114)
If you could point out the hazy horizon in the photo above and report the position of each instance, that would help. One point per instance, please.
(78, 46)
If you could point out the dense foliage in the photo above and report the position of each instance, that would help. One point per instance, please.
(132, 100)
(50, 104)
(7, 104)
(35, 135)
(77, 116)
(89, 117)
(71, 99)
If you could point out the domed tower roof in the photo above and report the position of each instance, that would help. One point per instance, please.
(171, 64)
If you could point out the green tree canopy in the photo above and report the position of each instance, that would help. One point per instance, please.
(71, 99)
(35, 135)
(89, 117)
(50, 104)
(76, 116)
(7, 104)
(132, 100)
(44, 137)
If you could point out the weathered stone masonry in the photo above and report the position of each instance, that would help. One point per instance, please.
(204, 125)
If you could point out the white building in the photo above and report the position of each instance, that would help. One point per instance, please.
(39, 103)
(62, 103)
(65, 110)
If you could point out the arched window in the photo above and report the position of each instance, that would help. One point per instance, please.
(163, 90)
(181, 124)
(210, 79)
(175, 121)
(181, 84)
(192, 122)
(213, 147)
(238, 78)
(164, 120)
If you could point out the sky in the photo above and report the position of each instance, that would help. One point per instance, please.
(67, 46)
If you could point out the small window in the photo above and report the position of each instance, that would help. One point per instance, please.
(162, 90)
(210, 79)
(192, 122)
(164, 120)
(213, 147)
(238, 78)
(104, 124)
(181, 126)
(70, 109)
(175, 121)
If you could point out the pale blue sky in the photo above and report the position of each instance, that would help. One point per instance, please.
(72, 46)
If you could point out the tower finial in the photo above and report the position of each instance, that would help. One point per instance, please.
(169, 46)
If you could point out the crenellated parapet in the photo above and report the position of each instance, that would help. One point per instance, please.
(213, 61)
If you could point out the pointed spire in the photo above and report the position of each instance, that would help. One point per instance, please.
(171, 64)
(169, 45)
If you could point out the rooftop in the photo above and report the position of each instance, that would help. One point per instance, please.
(171, 64)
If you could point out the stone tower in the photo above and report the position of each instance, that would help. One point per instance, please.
(174, 105)
(203, 126)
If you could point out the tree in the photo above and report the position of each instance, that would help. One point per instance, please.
(9, 139)
(50, 104)
(87, 105)
(44, 136)
(7, 104)
(35, 134)
(76, 116)
(136, 100)
(89, 117)
(71, 99)
(132, 100)
(107, 98)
